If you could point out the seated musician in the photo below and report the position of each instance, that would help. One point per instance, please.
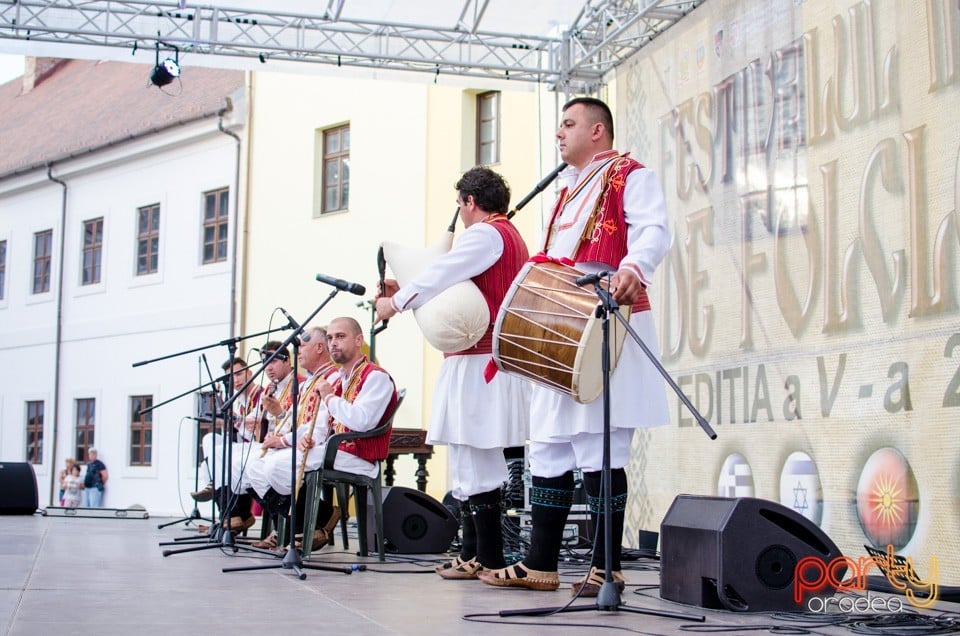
(360, 398)
(247, 465)
(247, 426)
(314, 358)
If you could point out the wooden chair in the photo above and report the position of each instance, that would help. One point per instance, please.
(362, 484)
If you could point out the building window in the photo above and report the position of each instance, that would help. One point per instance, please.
(336, 169)
(141, 430)
(92, 251)
(35, 432)
(3, 269)
(148, 239)
(488, 128)
(42, 245)
(86, 418)
(215, 225)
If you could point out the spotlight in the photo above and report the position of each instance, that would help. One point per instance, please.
(165, 72)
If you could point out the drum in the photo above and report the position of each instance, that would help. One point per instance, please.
(547, 331)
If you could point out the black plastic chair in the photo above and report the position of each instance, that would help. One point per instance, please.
(341, 480)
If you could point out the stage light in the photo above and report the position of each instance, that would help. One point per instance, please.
(165, 72)
(168, 70)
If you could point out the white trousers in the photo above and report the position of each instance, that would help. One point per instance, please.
(277, 467)
(583, 451)
(475, 470)
(240, 453)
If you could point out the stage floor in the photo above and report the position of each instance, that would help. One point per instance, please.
(62, 575)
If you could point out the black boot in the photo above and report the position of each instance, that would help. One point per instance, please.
(243, 507)
(618, 505)
(486, 512)
(464, 566)
(550, 501)
(223, 495)
(468, 532)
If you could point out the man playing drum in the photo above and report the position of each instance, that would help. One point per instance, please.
(474, 419)
(611, 215)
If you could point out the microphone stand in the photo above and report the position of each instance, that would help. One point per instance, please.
(608, 599)
(293, 558)
(199, 420)
(195, 513)
(216, 537)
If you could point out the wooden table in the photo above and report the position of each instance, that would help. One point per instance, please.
(409, 441)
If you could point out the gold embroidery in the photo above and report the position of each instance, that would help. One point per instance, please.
(613, 179)
(350, 394)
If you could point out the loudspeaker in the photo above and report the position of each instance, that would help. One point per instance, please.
(18, 489)
(413, 522)
(737, 554)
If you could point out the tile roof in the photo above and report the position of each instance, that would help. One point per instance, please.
(81, 105)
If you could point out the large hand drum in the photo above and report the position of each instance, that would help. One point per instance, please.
(548, 332)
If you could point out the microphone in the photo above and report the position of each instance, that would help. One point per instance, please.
(198, 419)
(537, 189)
(342, 285)
(590, 279)
(304, 336)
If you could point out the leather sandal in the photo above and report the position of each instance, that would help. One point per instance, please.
(589, 586)
(270, 543)
(455, 562)
(519, 575)
(460, 569)
(320, 540)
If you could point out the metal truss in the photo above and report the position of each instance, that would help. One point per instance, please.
(604, 34)
(607, 32)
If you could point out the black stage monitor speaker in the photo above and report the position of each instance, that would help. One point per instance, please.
(413, 522)
(18, 489)
(738, 554)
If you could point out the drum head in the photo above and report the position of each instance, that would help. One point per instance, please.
(547, 331)
(588, 378)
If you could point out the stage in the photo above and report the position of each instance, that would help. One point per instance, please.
(78, 575)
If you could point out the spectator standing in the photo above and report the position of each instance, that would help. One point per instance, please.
(72, 486)
(95, 480)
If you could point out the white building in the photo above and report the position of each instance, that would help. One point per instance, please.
(117, 229)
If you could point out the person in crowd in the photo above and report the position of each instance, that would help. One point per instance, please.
(95, 480)
(72, 486)
(69, 463)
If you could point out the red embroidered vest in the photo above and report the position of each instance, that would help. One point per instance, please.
(495, 282)
(604, 237)
(372, 449)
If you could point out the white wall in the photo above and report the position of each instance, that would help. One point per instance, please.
(123, 319)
